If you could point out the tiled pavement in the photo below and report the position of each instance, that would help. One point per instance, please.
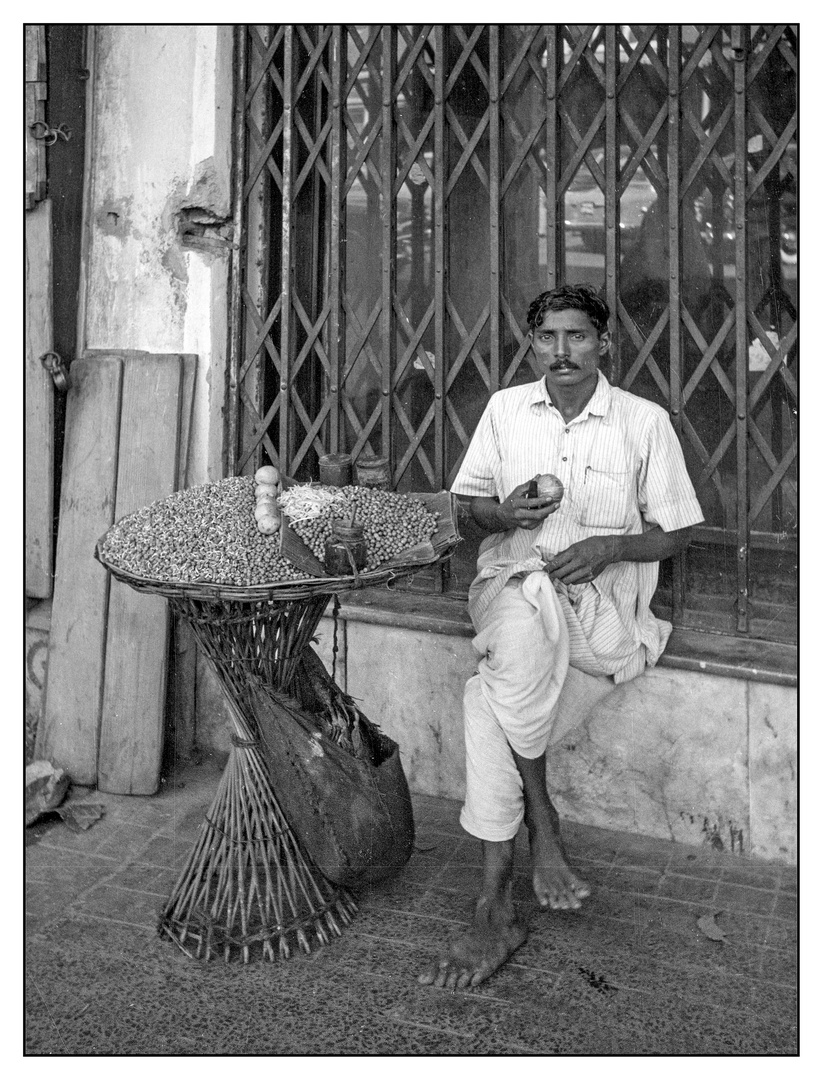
(630, 974)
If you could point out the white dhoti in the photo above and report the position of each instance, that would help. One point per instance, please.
(535, 682)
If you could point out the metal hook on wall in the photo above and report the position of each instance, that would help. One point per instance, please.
(54, 365)
(40, 130)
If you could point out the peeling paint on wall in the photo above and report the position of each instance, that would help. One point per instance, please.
(201, 230)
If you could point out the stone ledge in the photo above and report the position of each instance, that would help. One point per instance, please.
(689, 650)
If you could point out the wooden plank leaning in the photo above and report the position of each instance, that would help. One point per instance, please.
(39, 404)
(134, 692)
(68, 731)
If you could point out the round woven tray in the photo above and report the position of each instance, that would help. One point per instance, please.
(268, 591)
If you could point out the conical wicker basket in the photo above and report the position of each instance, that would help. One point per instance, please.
(249, 888)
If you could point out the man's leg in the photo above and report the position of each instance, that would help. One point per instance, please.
(492, 812)
(508, 714)
(502, 787)
(522, 676)
(555, 884)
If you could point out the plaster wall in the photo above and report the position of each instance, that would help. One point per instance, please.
(158, 222)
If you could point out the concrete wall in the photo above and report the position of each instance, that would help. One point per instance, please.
(158, 214)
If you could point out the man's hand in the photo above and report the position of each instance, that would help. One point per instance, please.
(517, 511)
(583, 561)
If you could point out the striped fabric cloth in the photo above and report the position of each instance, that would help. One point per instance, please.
(623, 471)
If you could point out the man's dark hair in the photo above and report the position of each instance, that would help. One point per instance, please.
(580, 297)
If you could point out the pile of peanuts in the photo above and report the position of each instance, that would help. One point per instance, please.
(228, 532)
(206, 534)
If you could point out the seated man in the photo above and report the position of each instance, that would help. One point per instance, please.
(562, 587)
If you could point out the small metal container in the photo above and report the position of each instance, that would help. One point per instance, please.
(373, 472)
(335, 470)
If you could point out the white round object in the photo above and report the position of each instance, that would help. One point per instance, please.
(268, 525)
(266, 508)
(267, 474)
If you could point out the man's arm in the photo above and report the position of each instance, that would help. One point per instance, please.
(583, 561)
(515, 512)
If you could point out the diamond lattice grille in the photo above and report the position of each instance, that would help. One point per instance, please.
(406, 191)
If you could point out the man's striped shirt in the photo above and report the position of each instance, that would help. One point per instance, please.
(623, 471)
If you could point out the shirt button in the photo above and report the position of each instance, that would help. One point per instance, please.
(565, 459)
(567, 431)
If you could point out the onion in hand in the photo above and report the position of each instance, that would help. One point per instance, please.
(549, 487)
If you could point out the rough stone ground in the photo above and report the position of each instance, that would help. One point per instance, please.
(633, 973)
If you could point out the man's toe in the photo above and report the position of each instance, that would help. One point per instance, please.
(441, 973)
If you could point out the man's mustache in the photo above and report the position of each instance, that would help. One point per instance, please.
(562, 364)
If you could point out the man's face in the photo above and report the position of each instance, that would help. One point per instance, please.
(568, 348)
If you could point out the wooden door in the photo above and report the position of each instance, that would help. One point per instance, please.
(39, 389)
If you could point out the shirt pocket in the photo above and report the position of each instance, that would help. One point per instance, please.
(605, 498)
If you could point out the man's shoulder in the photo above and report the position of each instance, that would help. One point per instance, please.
(510, 396)
(638, 409)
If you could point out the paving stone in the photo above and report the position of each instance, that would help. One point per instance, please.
(123, 905)
(698, 862)
(615, 905)
(781, 934)
(634, 879)
(170, 852)
(746, 928)
(779, 966)
(743, 898)
(767, 876)
(788, 879)
(691, 890)
(144, 877)
(75, 870)
(785, 907)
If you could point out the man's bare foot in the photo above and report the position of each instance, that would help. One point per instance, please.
(495, 932)
(556, 886)
(477, 954)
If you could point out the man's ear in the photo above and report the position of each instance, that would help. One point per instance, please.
(605, 342)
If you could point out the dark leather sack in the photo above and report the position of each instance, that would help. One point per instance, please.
(353, 817)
